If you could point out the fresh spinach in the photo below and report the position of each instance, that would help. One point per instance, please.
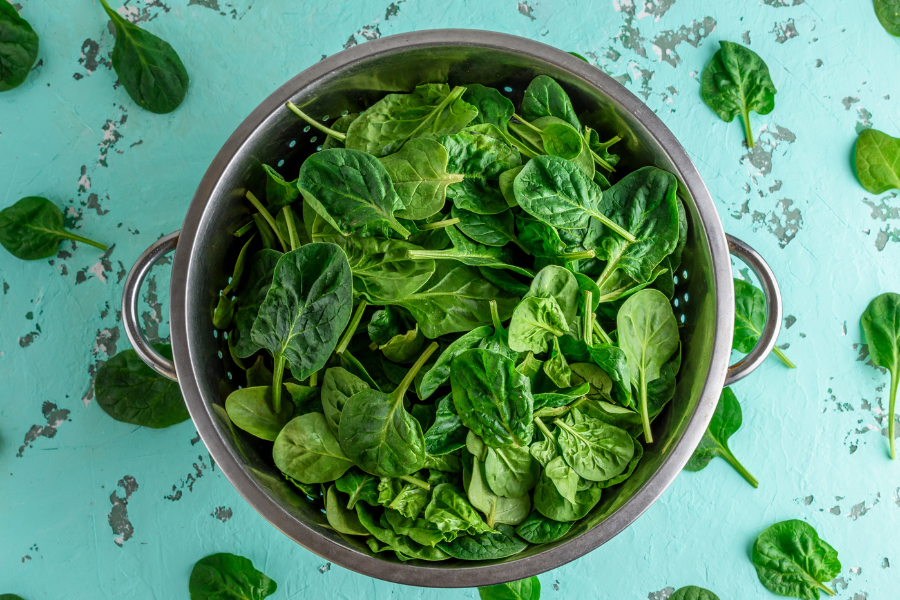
(450, 512)
(377, 432)
(878, 161)
(279, 192)
(888, 13)
(551, 504)
(342, 519)
(726, 420)
(692, 592)
(792, 560)
(750, 319)
(493, 107)
(735, 82)
(358, 486)
(420, 177)
(480, 159)
(595, 450)
(383, 270)
(307, 450)
(556, 368)
(544, 97)
(224, 311)
(338, 385)
(535, 321)
(496, 509)
(648, 334)
(148, 67)
(32, 229)
(490, 230)
(250, 296)
(250, 408)
(130, 391)
(524, 589)
(447, 433)
(881, 326)
(538, 529)
(439, 373)
(226, 575)
(19, 46)
(510, 471)
(485, 546)
(403, 348)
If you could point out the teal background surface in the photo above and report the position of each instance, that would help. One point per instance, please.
(93, 508)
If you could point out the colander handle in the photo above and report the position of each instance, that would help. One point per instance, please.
(145, 351)
(769, 335)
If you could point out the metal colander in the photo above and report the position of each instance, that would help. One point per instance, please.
(351, 81)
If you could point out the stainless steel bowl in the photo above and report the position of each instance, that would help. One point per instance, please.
(352, 80)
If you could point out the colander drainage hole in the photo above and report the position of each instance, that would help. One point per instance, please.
(292, 144)
(507, 89)
(345, 113)
(312, 140)
(675, 302)
(684, 274)
(229, 375)
(281, 162)
(325, 118)
(306, 129)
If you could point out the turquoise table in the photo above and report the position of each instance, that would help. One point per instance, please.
(92, 508)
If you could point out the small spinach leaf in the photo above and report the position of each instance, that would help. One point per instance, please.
(32, 229)
(538, 529)
(534, 322)
(524, 589)
(450, 512)
(447, 434)
(485, 546)
(493, 107)
(469, 253)
(18, 48)
(550, 503)
(383, 270)
(490, 230)
(439, 373)
(279, 192)
(307, 451)
(595, 450)
(358, 486)
(725, 422)
(250, 408)
(692, 592)
(510, 471)
(792, 560)
(419, 173)
(878, 161)
(881, 326)
(480, 159)
(342, 519)
(225, 575)
(251, 295)
(338, 385)
(544, 97)
(750, 319)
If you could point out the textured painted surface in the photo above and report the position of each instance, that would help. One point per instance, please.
(93, 508)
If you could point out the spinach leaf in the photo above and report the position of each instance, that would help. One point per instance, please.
(557, 192)
(560, 397)
(881, 326)
(225, 308)
(450, 512)
(490, 230)
(492, 398)
(693, 592)
(480, 159)
(629, 470)
(306, 308)
(561, 285)
(556, 138)
(550, 503)
(599, 381)
(610, 359)
(456, 299)
(510, 471)
(439, 373)
(402, 348)
(624, 418)
(644, 203)
(10, 597)
(792, 560)
(545, 242)
(493, 107)
(251, 295)
(735, 82)
(750, 319)
(406, 498)
(544, 97)
(342, 519)
(358, 486)
(506, 182)
(725, 422)
(279, 192)
(878, 161)
(32, 229)
(352, 191)
(405, 547)
(504, 280)
(648, 334)
(599, 151)
(250, 409)
(534, 322)
(148, 67)
(524, 589)
(432, 108)
(485, 546)
(130, 391)
(556, 368)
(888, 13)
(496, 509)
(419, 173)
(386, 323)
(469, 253)
(538, 529)
(447, 434)
(307, 450)
(595, 450)
(225, 575)
(498, 341)
(418, 530)
(338, 385)
(340, 125)
(18, 48)
(563, 477)
(379, 435)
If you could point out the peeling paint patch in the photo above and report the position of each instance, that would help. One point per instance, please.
(768, 140)
(784, 226)
(105, 342)
(858, 510)
(236, 10)
(325, 568)
(783, 3)
(664, 45)
(145, 13)
(221, 513)
(849, 101)
(526, 10)
(118, 515)
(655, 8)
(91, 59)
(54, 416)
(629, 35)
(745, 37)
(864, 121)
(372, 31)
(200, 467)
(111, 137)
(28, 339)
(663, 594)
(784, 31)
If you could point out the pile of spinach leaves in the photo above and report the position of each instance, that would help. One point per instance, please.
(455, 320)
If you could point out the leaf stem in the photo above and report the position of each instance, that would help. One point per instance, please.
(373, 346)
(521, 147)
(277, 375)
(601, 162)
(543, 428)
(416, 482)
(571, 256)
(84, 240)
(894, 381)
(599, 331)
(265, 214)
(326, 130)
(495, 315)
(454, 95)
(527, 124)
(777, 351)
(614, 226)
(243, 230)
(417, 366)
(524, 142)
(734, 462)
(314, 379)
(587, 326)
(824, 588)
(438, 224)
(351, 328)
(291, 227)
(747, 131)
(645, 414)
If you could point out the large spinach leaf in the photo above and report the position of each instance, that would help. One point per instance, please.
(524, 589)
(352, 191)
(480, 159)
(32, 229)
(510, 471)
(485, 546)
(536, 321)
(306, 308)
(342, 519)
(544, 97)
(228, 576)
(469, 253)
(148, 68)
(878, 161)
(130, 391)
(561, 285)
(432, 108)
(595, 450)
(250, 408)
(18, 48)
(881, 326)
(377, 432)
(439, 373)
(492, 398)
(383, 270)
(648, 334)
(538, 529)
(735, 82)
(419, 173)
(888, 13)
(307, 450)
(490, 230)
(550, 503)
(792, 560)
(493, 107)
(496, 509)
(338, 385)
(750, 319)
(725, 422)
